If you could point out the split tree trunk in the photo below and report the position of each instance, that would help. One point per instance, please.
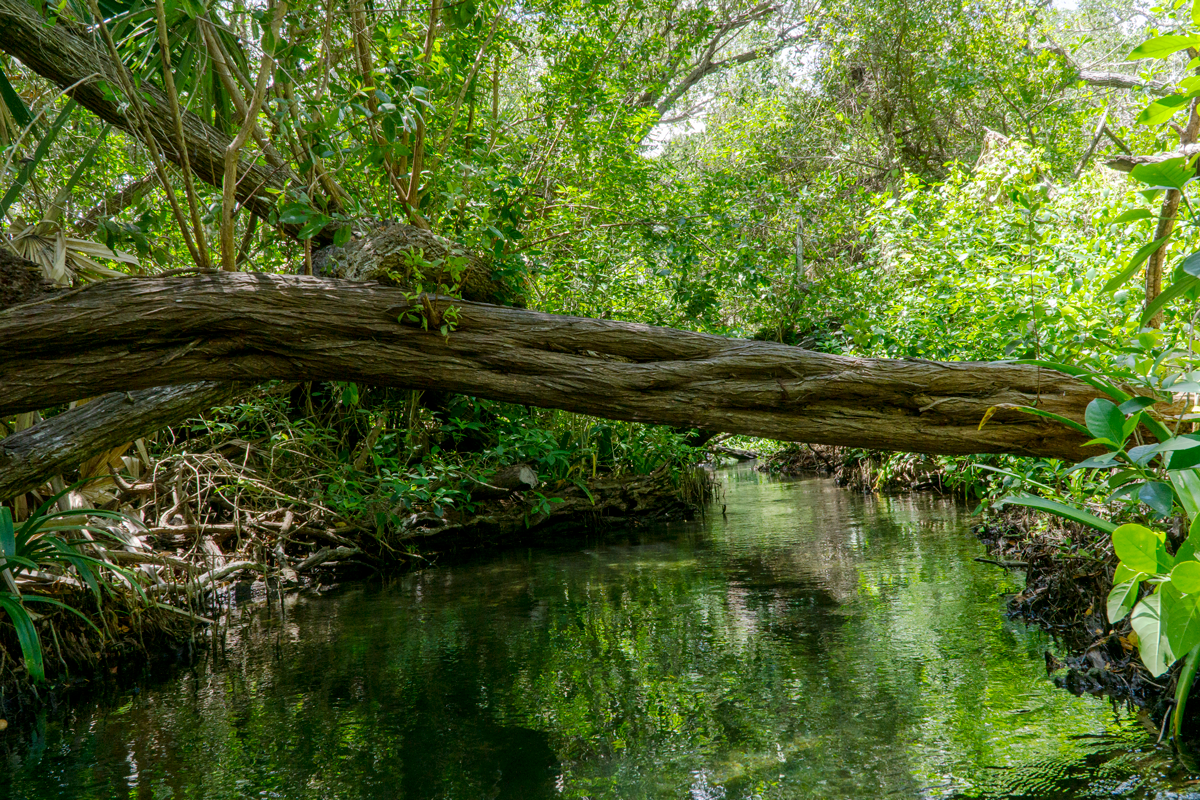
(144, 332)
(28, 458)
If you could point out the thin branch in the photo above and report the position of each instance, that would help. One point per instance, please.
(140, 121)
(229, 196)
(189, 186)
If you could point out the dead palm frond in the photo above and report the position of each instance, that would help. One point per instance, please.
(65, 260)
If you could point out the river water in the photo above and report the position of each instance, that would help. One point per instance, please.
(807, 642)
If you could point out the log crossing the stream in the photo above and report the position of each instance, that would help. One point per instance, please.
(139, 333)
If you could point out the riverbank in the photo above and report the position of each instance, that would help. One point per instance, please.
(1068, 572)
(860, 470)
(195, 558)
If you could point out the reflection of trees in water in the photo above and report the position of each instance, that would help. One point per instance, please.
(810, 633)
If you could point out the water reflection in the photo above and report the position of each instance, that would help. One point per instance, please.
(807, 643)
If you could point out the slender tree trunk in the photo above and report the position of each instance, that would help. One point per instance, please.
(64, 54)
(30, 457)
(145, 332)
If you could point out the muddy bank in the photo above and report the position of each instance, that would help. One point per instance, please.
(860, 470)
(1068, 574)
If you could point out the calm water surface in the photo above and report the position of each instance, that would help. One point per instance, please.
(808, 643)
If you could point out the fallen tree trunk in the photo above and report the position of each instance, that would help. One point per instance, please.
(29, 457)
(143, 332)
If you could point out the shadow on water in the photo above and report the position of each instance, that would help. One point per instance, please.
(807, 643)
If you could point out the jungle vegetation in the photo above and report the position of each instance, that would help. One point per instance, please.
(941, 181)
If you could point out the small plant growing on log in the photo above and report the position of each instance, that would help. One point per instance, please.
(426, 277)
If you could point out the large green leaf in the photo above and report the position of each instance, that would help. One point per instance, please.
(1153, 646)
(1181, 618)
(8, 533)
(1173, 173)
(1186, 576)
(1140, 548)
(1187, 488)
(31, 163)
(1147, 250)
(1105, 421)
(16, 106)
(1160, 111)
(1129, 216)
(1121, 599)
(1162, 46)
(1158, 496)
(1188, 674)
(1060, 510)
(1176, 289)
(27, 635)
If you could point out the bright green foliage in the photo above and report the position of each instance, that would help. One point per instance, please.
(38, 543)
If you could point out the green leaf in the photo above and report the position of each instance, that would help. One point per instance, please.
(1123, 573)
(1191, 265)
(1135, 404)
(1186, 576)
(1184, 451)
(1059, 510)
(1153, 646)
(1130, 425)
(1159, 112)
(1188, 674)
(295, 215)
(1098, 462)
(1130, 216)
(1172, 173)
(1138, 548)
(1162, 46)
(1105, 421)
(1181, 618)
(1142, 454)
(1176, 289)
(1187, 487)
(1158, 496)
(8, 535)
(39, 153)
(1122, 597)
(312, 227)
(27, 636)
(16, 106)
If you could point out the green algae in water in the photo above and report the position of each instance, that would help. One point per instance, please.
(809, 643)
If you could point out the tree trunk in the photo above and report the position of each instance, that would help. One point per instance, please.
(65, 54)
(28, 458)
(143, 332)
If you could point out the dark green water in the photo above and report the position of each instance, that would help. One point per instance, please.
(810, 643)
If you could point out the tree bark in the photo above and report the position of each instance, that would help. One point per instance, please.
(63, 54)
(144, 332)
(28, 458)
(1126, 163)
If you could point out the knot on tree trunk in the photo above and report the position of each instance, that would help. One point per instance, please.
(402, 255)
(21, 280)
